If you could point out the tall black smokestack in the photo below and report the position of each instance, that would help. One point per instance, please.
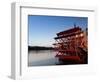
(74, 25)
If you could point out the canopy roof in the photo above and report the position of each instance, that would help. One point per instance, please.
(75, 29)
(68, 35)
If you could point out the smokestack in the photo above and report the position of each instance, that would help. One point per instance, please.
(74, 25)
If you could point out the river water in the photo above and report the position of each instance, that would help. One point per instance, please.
(42, 58)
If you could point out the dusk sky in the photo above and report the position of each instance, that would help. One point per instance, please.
(43, 29)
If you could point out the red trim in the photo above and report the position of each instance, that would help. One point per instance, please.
(68, 57)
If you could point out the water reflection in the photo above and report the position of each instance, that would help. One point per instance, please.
(42, 58)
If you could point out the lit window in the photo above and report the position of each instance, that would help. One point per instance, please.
(76, 35)
(81, 34)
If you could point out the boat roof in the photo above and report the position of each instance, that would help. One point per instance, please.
(75, 29)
